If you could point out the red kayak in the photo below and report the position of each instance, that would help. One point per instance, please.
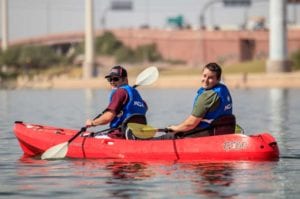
(35, 139)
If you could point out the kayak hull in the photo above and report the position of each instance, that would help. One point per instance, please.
(35, 139)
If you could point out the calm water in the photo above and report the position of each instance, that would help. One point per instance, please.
(257, 110)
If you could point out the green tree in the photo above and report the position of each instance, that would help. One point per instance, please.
(38, 57)
(125, 55)
(107, 44)
(10, 56)
(296, 59)
(147, 52)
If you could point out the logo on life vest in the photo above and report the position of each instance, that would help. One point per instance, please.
(139, 104)
(227, 107)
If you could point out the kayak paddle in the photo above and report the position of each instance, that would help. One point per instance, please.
(146, 77)
(60, 150)
(143, 131)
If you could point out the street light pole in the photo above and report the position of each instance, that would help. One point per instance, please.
(4, 17)
(278, 61)
(88, 65)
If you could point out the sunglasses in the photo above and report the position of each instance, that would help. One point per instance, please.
(113, 79)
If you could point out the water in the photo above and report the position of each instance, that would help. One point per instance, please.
(257, 110)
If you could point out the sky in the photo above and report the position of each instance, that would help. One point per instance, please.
(30, 18)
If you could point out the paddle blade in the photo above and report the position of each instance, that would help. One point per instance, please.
(56, 152)
(147, 76)
(143, 131)
(239, 129)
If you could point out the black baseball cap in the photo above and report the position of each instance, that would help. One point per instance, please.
(117, 71)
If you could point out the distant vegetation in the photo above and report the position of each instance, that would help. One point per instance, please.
(108, 44)
(31, 60)
(34, 59)
(27, 59)
(295, 57)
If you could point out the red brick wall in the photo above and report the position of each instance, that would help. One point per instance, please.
(196, 47)
(192, 46)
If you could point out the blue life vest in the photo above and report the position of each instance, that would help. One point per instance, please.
(224, 108)
(134, 105)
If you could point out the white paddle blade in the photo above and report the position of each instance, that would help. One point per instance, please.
(56, 152)
(147, 76)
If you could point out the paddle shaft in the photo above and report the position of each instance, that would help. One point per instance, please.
(84, 129)
(77, 134)
(166, 130)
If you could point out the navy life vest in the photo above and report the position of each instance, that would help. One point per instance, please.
(134, 105)
(224, 108)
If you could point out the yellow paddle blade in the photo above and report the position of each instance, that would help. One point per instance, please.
(238, 129)
(142, 131)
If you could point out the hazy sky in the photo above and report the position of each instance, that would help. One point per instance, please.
(28, 18)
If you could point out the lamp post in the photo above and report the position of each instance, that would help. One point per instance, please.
(88, 64)
(4, 17)
(278, 61)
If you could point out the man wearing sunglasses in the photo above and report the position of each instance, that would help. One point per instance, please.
(126, 104)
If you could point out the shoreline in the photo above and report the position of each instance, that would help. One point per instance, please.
(274, 80)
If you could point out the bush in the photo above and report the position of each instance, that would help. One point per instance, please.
(107, 44)
(147, 52)
(19, 59)
(10, 56)
(38, 57)
(296, 59)
(125, 55)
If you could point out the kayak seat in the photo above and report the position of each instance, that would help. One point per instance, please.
(220, 126)
(223, 125)
(135, 118)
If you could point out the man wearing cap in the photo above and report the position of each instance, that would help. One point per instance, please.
(125, 102)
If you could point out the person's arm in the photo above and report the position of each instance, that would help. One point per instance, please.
(188, 124)
(105, 118)
(205, 102)
(119, 98)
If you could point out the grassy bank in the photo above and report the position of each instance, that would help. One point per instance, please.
(242, 75)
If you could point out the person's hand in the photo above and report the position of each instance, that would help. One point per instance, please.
(171, 128)
(89, 123)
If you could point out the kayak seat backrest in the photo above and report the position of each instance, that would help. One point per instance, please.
(220, 126)
(135, 118)
(223, 125)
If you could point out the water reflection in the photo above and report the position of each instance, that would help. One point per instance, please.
(212, 179)
(89, 95)
(4, 99)
(125, 177)
(279, 110)
(110, 178)
(95, 101)
(121, 170)
(279, 117)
